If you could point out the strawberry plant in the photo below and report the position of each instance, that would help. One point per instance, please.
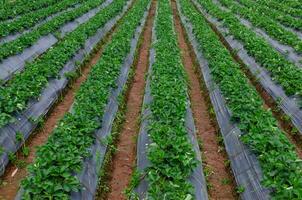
(282, 71)
(30, 19)
(281, 7)
(12, 9)
(254, 14)
(290, 4)
(280, 164)
(29, 84)
(170, 152)
(26, 40)
(53, 173)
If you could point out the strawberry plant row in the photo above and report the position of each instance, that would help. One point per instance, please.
(15, 64)
(244, 165)
(287, 51)
(11, 10)
(290, 3)
(272, 28)
(282, 71)
(53, 172)
(277, 157)
(172, 158)
(30, 19)
(289, 104)
(28, 39)
(14, 36)
(282, 7)
(33, 115)
(28, 85)
(260, 8)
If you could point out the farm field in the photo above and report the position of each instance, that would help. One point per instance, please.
(151, 99)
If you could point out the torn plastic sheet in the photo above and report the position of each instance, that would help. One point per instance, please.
(244, 163)
(287, 51)
(16, 35)
(197, 178)
(25, 121)
(288, 104)
(16, 63)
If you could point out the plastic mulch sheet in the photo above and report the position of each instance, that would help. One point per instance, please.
(244, 164)
(287, 51)
(288, 104)
(89, 175)
(197, 178)
(16, 35)
(38, 108)
(13, 64)
(70, 26)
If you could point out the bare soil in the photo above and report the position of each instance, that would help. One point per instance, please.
(220, 184)
(123, 161)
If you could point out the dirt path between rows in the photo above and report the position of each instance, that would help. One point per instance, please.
(220, 184)
(123, 161)
(12, 177)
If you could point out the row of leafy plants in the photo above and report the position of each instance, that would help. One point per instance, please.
(30, 19)
(26, 40)
(281, 166)
(265, 22)
(29, 84)
(12, 9)
(292, 11)
(52, 175)
(277, 15)
(281, 70)
(291, 3)
(170, 152)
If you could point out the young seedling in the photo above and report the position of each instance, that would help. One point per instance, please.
(19, 136)
(25, 151)
(227, 163)
(225, 181)
(240, 189)
(294, 131)
(12, 157)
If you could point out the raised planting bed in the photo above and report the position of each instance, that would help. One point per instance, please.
(13, 9)
(272, 28)
(262, 159)
(278, 77)
(276, 15)
(30, 19)
(284, 7)
(15, 54)
(168, 155)
(83, 133)
(28, 118)
(16, 63)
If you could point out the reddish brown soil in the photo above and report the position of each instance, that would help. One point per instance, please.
(124, 160)
(213, 157)
(9, 189)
